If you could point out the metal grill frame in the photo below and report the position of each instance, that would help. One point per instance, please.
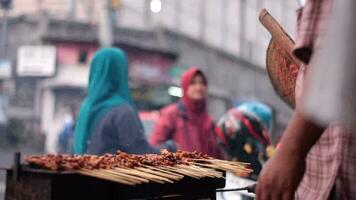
(33, 184)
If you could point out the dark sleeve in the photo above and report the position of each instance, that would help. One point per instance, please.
(131, 137)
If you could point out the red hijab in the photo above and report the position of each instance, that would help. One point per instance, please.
(196, 110)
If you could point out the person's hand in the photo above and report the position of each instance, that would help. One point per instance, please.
(281, 176)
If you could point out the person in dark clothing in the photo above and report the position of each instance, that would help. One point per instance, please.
(107, 120)
(66, 136)
(65, 139)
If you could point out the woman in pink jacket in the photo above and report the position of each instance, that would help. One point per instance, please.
(187, 122)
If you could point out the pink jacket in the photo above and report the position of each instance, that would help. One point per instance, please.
(174, 124)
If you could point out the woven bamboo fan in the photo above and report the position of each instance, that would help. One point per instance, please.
(282, 66)
(282, 71)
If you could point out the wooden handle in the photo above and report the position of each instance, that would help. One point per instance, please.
(278, 33)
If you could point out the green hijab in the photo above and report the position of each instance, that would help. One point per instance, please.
(108, 87)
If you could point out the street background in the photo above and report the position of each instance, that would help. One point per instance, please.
(47, 45)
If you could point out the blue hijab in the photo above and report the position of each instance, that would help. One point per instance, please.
(108, 87)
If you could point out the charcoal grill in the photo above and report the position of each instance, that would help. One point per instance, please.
(37, 184)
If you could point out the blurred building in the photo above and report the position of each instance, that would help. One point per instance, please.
(161, 38)
(229, 25)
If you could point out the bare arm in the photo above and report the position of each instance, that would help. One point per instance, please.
(282, 174)
(301, 134)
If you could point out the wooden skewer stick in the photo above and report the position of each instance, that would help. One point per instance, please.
(159, 173)
(121, 170)
(84, 172)
(206, 165)
(164, 171)
(234, 170)
(238, 167)
(223, 161)
(192, 169)
(205, 169)
(141, 180)
(213, 172)
(143, 175)
(196, 169)
(227, 164)
(150, 177)
(212, 161)
(170, 169)
(208, 171)
(230, 168)
(118, 176)
(154, 176)
(181, 171)
(231, 162)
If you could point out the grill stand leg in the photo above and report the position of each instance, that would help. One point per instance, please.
(213, 195)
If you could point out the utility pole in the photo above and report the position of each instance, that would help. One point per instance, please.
(5, 5)
(4, 34)
(105, 24)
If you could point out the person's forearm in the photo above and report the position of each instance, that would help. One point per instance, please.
(300, 135)
(282, 174)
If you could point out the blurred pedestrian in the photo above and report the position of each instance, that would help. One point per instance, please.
(66, 136)
(107, 120)
(317, 162)
(243, 134)
(188, 122)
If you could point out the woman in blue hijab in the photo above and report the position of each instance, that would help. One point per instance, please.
(107, 120)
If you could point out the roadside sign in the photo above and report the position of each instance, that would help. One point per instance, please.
(36, 61)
